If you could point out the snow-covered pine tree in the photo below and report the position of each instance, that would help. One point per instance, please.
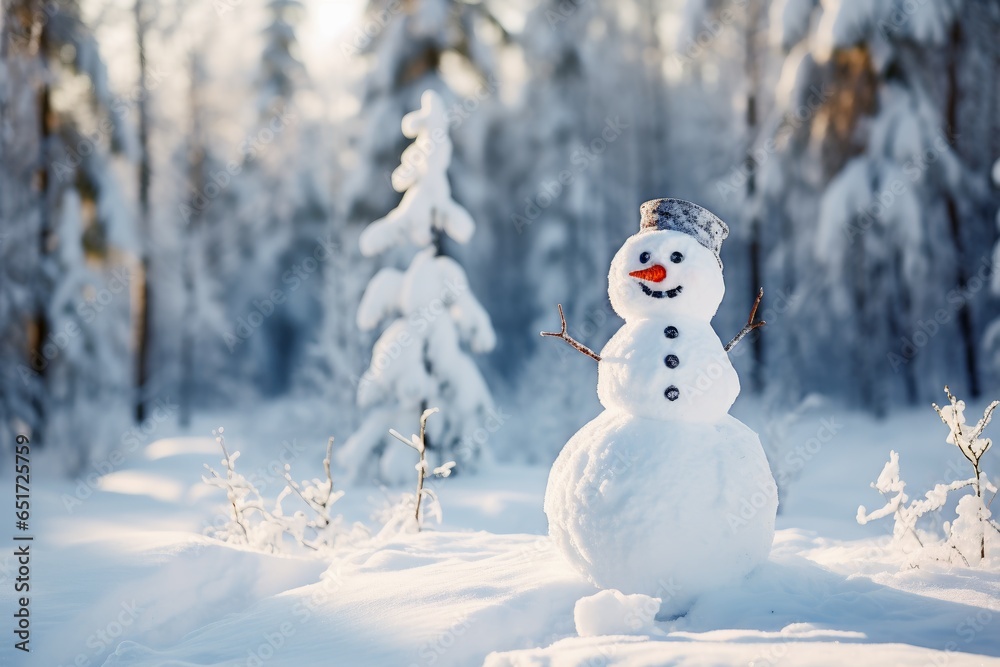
(21, 210)
(283, 210)
(419, 362)
(991, 338)
(400, 50)
(737, 35)
(571, 165)
(144, 329)
(867, 152)
(64, 293)
(404, 52)
(206, 373)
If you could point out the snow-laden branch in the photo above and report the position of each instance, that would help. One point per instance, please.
(423, 176)
(381, 298)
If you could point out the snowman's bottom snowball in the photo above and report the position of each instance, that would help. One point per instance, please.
(666, 509)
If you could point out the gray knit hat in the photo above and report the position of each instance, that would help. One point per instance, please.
(683, 216)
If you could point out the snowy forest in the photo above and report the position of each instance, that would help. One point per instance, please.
(184, 184)
(247, 247)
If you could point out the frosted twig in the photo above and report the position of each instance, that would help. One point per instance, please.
(576, 345)
(961, 555)
(751, 325)
(422, 467)
(230, 473)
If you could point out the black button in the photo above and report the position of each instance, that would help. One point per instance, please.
(672, 393)
(671, 361)
(671, 332)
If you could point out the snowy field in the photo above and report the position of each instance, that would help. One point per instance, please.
(127, 577)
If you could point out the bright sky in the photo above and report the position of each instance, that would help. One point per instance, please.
(327, 25)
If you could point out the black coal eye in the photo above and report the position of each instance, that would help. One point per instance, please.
(676, 257)
(644, 257)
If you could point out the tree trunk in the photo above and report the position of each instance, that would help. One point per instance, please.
(145, 306)
(752, 72)
(46, 196)
(965, 326)
(196, 158)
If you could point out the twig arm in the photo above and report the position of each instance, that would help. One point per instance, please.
(576, 345)
(751, 325)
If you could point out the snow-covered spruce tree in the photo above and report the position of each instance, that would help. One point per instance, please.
(867, 151)
(419, 360)
(572, 166)
(402, 48)
(991, 338)
(206, 253)
(283, 211)
(397, 51)
(64, 288)
(738, 43)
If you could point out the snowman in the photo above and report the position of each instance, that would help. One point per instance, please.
(664, 493)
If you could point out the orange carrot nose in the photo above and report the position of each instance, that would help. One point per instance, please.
(653, 274)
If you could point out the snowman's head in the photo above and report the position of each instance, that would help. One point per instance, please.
(662, 273)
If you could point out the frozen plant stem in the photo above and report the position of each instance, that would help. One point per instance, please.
(972, 447)
(419, 444)
(751, 325)
(576, 345)
(230, 472)
(422, 468)
(322, 508)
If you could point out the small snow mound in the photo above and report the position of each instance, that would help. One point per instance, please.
(611, 612)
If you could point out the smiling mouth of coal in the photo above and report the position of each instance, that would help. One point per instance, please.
(659, 294)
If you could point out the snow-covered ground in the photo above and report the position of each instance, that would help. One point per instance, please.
(126, 576)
